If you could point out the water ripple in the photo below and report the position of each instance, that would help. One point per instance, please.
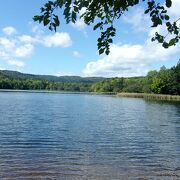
(72, 136)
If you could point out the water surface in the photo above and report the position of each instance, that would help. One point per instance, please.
(81, 136)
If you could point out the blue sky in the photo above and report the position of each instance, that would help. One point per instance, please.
(28, 47)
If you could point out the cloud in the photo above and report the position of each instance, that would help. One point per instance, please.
(141, 22)
(130, 60)
(76, 54)
(16, 63)
(138, 20)
(9, 30)
(27, 39)
(36, 29)
(79, 24)
(7, 43)
(24, 51)
(13, 49)
(174, 11)
(135, 59)
(57, 40)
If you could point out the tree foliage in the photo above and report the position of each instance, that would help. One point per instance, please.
(103, 13)
(164, 81)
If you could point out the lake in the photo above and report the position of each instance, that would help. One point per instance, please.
(83, 136)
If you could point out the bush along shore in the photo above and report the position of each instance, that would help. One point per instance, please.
(161, 97)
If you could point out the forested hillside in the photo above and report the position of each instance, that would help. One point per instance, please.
(17, 80)
(164, 81)
(62, 79)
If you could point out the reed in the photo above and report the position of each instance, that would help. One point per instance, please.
(160, 97)
(103, 93)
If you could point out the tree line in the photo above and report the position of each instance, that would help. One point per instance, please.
(30, 84)
(164, 81)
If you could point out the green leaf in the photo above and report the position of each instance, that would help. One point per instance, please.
(165, 45)
(56, 20)
(76, 9)
(101, 51)
(166, 17)
(103, 13)
(36, 18)
(146, 11)
(168, 3)
(46, 20)
(98, 25)
(73, 16)
(110, 40)
(107, 51)
(172, 42)
(168, 24)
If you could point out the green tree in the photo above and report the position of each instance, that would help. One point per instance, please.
(162, 83)
(103, 13)
(175, 88)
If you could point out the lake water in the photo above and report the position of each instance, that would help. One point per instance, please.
(81, 136)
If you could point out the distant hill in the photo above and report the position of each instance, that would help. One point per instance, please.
(63, 79)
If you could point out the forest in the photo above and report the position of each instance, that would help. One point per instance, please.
(164, 81)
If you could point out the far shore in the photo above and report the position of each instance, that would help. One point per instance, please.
(159, 97)
(42, 91)
(156, 97)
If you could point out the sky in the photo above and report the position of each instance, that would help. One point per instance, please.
(28, 47)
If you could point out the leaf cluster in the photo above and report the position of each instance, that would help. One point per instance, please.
(103, 13)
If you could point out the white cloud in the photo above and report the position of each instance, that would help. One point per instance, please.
(79, 24)
(16, 63)
(76, 54)
(9, 30)
(24, 51)
(174, 11)
(13, 49)
(7, 43)
(36, 29)
(138, 20)
(3, 55)
(82, 11)
(130, 60)
(135, 59)
(27, 39)
(57, 40)
(141, 22)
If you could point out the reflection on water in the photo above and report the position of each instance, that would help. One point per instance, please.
(76, 136)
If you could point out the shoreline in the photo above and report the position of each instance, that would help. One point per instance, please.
(158, 97)
(146, 96)
(42, 91)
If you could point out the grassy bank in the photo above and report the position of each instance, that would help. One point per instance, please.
(160, 97)
(103, 93)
